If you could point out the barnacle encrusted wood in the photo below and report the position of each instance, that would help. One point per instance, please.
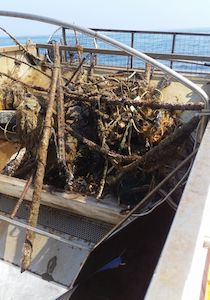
(40, 171)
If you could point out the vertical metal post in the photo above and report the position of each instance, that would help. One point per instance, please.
(96, 46)
(132, 44)
(173, 47)
(38, 52)
(64, 42)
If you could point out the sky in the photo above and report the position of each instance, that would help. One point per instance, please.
(115, 14)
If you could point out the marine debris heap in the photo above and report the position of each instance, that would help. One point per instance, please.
(103, 129)
(95, 134)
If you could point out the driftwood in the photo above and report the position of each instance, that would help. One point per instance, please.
(22, 196)
(118, 158)
(189, 106)
(61, 120)
(79, 48)
(148, 73)
(193, 106)
(30, 56)
(41, 163)
(75, 72)
(158, 105)
(103, 180)
(152, 159)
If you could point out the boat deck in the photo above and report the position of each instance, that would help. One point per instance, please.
(63, 241)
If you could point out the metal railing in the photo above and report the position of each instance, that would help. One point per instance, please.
(94, 35)
(181, 51)
(191, 51)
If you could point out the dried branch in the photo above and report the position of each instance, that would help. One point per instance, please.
(193, 106)
(162, 105)
(121, 159)
(61, 120)
(22, 196)
(75, 72)
(148, 73)
(30, 55)
(42, 157)
(103, 180)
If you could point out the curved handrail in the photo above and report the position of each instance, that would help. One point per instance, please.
(127, 49)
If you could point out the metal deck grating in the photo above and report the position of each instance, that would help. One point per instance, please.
(83, 228)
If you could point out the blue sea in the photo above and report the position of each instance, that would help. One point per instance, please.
(198, 45)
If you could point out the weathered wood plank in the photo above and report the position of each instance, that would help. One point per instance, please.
(106, 210)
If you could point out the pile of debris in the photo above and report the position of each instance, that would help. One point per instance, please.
(106, 133)
(96, 135)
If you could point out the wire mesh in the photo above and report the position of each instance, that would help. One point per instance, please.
(164, 43)
(192, 44)
(123, 37)
(153, 43)
(76, 226)
(113, 60)
(197, 45)
(177, 43)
